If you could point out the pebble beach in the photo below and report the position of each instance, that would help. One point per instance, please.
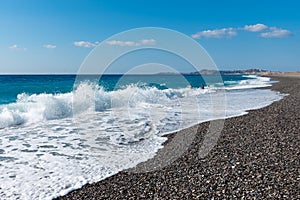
(257, 156)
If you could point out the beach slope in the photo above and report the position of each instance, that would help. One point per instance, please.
(257, 156)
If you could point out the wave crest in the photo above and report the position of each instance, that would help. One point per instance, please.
(86, 97)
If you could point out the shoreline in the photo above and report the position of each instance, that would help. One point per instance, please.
(257, 156)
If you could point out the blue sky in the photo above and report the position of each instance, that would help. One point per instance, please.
(55, 36)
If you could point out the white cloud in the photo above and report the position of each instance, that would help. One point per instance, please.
(276, 33)
(148, 42)
(216, 33)
(255, 27)
(49, 46)
(17, 48)
(268, 32)
(116, 43)
(122, 43)
(85, 44)
(265, 32)
(131, 43)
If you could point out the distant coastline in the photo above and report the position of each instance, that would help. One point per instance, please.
(253, 71)
(231, 72)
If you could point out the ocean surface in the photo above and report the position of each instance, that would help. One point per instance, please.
(59, 132)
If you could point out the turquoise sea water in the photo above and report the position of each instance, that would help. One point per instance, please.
(12, 85)
(58, 132)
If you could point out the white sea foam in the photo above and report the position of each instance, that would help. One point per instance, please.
(254, 82)
(86, 98)
(51, 144)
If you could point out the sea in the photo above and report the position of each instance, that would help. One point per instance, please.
(59, 132)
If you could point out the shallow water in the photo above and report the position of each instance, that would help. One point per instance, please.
(52, 143)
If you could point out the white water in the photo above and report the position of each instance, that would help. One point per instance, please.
(47, 149)
(253, 82)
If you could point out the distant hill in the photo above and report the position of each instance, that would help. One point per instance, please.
(229, 72)
(223, 72)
